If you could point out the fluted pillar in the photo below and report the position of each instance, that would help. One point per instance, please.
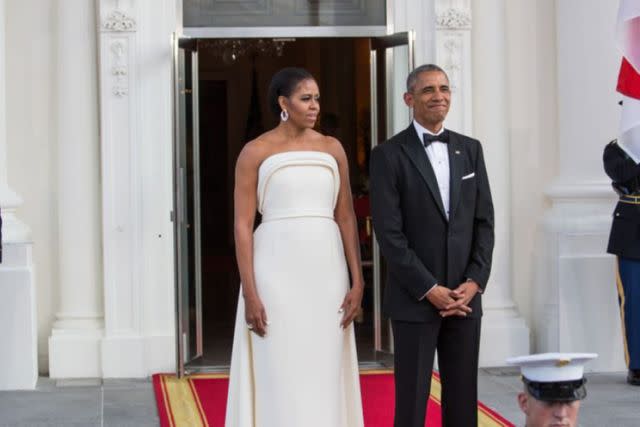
(575, 295)
(504, 332)
(18, 326)
(74, 345)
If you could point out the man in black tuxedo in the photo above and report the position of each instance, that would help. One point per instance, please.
(433, 218)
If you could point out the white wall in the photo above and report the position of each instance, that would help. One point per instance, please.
(562, 64)
(31, 143)
(578, 276)
(533, 128)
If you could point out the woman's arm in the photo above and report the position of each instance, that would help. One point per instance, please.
(245, 202)
(346, 220)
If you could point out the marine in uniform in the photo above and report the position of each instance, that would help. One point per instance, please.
(624, 242)
(554, 386)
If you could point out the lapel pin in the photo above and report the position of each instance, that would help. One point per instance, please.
(457, 152)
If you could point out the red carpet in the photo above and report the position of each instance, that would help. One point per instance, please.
(200, 400)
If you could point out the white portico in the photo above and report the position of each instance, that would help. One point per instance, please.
(97, 122)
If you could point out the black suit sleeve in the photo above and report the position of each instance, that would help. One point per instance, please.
(387, 223)
(479, 265)
(618, 165)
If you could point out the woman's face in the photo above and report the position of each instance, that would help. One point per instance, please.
(303, 105)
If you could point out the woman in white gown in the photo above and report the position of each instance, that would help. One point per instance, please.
(294, 360)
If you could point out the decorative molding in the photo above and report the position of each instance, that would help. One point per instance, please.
(452, 61)
(138, 296)
(120, 69)
(454, 18)
(118, 21)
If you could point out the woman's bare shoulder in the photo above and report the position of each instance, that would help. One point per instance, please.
(255, 151)
(335, 148)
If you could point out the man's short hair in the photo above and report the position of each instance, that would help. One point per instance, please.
(413, 75)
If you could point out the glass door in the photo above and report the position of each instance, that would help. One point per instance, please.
(391, 61)
(186, 205)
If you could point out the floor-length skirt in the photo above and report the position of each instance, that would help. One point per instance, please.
(304, 372)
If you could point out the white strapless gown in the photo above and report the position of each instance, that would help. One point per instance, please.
(304, 372)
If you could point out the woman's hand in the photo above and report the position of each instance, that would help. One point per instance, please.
(255, 315)
(351, 306)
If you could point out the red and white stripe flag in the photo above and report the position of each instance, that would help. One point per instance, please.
(628, 31)
(628, 37)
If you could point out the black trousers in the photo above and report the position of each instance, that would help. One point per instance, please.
(457, 340)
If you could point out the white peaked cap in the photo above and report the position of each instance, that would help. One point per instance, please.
(552, 367)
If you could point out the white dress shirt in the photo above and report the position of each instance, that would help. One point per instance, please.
(438, 153)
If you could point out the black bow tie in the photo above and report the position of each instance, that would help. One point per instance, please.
(428, 138)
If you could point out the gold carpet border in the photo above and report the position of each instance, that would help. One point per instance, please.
(196, 397)
(184, 407)
(165, 399)
(184, 401)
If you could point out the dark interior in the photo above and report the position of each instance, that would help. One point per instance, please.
(234, 75)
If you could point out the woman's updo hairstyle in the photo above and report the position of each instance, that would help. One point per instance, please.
(283, 83)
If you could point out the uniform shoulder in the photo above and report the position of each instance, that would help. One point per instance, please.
(612, 147)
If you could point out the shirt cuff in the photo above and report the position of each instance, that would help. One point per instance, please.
(427, 293)
(469, 279)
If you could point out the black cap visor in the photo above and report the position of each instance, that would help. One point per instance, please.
(561, 391)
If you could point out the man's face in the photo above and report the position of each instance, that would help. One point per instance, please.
(548, 414)
(430, 98)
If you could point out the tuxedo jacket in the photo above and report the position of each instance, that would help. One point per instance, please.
(624, 239)
(420, 245)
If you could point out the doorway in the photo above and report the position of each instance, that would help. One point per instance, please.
(222, 104)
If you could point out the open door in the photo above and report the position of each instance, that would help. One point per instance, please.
(186, 204)
(392, 58)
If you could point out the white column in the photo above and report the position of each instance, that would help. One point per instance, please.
(122, 194)
(504, 332)
(74, 345)
(575, 298)
(18, 327)
(136, 105)
(13, 230)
